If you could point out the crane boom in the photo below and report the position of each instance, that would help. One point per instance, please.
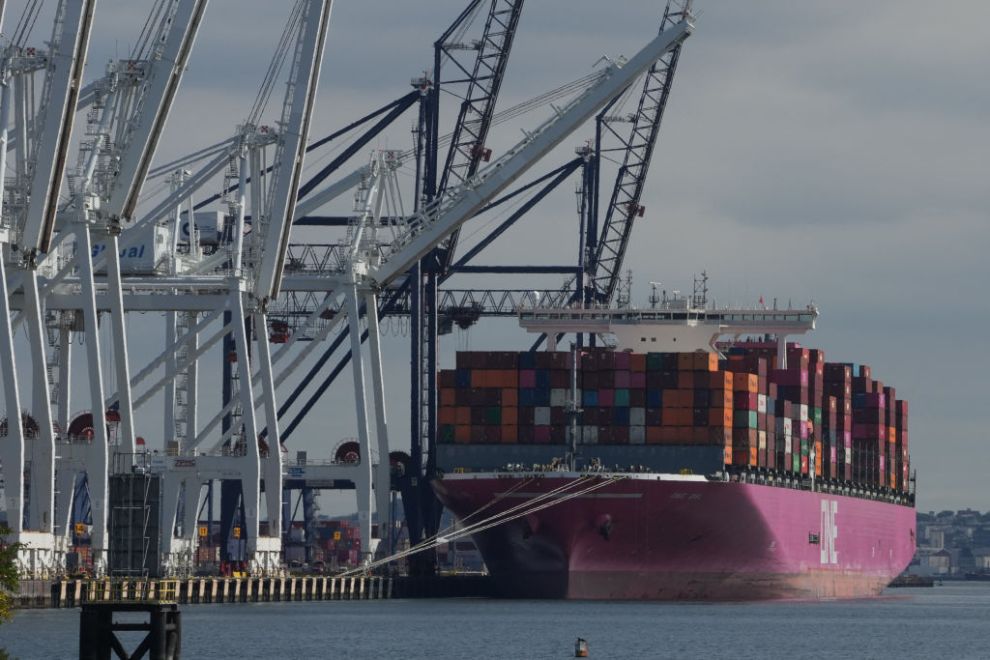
(474, 118)
(624, 204)
(438, 220)
(145, 129)
(291, 150)
(53, 131)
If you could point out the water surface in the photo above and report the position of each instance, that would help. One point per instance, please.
(946, 622)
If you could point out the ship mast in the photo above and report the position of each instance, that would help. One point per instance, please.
(573, 414)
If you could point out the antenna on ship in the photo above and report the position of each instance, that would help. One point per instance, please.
(654, 296)
(625, 292)
(700, 297)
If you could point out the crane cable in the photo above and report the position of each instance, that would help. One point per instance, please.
(431, 541)
(493, 521)
(555, 496)
(25, 24)
(276, 64)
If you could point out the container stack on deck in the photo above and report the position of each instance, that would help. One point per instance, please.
(829, 418)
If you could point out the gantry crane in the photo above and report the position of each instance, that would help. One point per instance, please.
(41, 140)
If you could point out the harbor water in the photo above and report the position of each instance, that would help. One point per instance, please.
(950, 621)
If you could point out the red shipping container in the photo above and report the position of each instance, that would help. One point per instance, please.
(606, 397)
(789, 377)
(527, 378)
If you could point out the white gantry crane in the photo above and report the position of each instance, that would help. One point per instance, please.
(238, 280)
(41, 132)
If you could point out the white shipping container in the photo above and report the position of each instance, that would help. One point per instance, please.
(803, 412)
(637, 435)
(559, 397)
(762, 439)
(637, 416)
(761, 403)
(209, 224)
(589, 435)
(147, 256)
(541, 416)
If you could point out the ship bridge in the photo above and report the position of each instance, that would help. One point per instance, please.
(674, 326)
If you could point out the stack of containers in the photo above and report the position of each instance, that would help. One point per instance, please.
(816, 408)
(793, 386)
(890, 472)
(753, 429)
(838, 384)
(869, 429)
(761, 416)
(903, 459)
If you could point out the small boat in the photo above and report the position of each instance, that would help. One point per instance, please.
(581, 648)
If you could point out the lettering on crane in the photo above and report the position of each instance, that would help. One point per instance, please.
(135, 252)
(830, 531)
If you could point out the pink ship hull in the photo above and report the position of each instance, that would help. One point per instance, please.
(670, 539)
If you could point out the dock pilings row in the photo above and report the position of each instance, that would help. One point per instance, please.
(188, 591)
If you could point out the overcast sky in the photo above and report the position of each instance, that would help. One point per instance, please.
(834, 152)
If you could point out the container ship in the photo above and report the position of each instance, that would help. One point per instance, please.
(702, 456)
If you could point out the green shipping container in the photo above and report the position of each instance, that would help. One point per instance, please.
(654, 362)
(622, 397)
(447, 433)
(817, 417)
(493, 416)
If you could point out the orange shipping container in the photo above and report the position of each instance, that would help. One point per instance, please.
(677, 417)
(754, 456)
(721, 380)
(479, 378)
(447, 415)
(510, 395)
(678, 398)
(705, 362)
(720, 416)
(685, 380)
(510, 433)
(448, 396)
(510, 416)
(721, 398)
(508, 378)
(463, 415)
(462, 433)
(728, 455)
(685, 361)
(654, 435)
(637, 362)
(745, 383)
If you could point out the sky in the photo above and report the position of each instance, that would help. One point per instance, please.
(828, 152)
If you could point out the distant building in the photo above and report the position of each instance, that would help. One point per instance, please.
(981, 559)
(940, 563)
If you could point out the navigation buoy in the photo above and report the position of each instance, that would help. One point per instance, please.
(581, 648)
